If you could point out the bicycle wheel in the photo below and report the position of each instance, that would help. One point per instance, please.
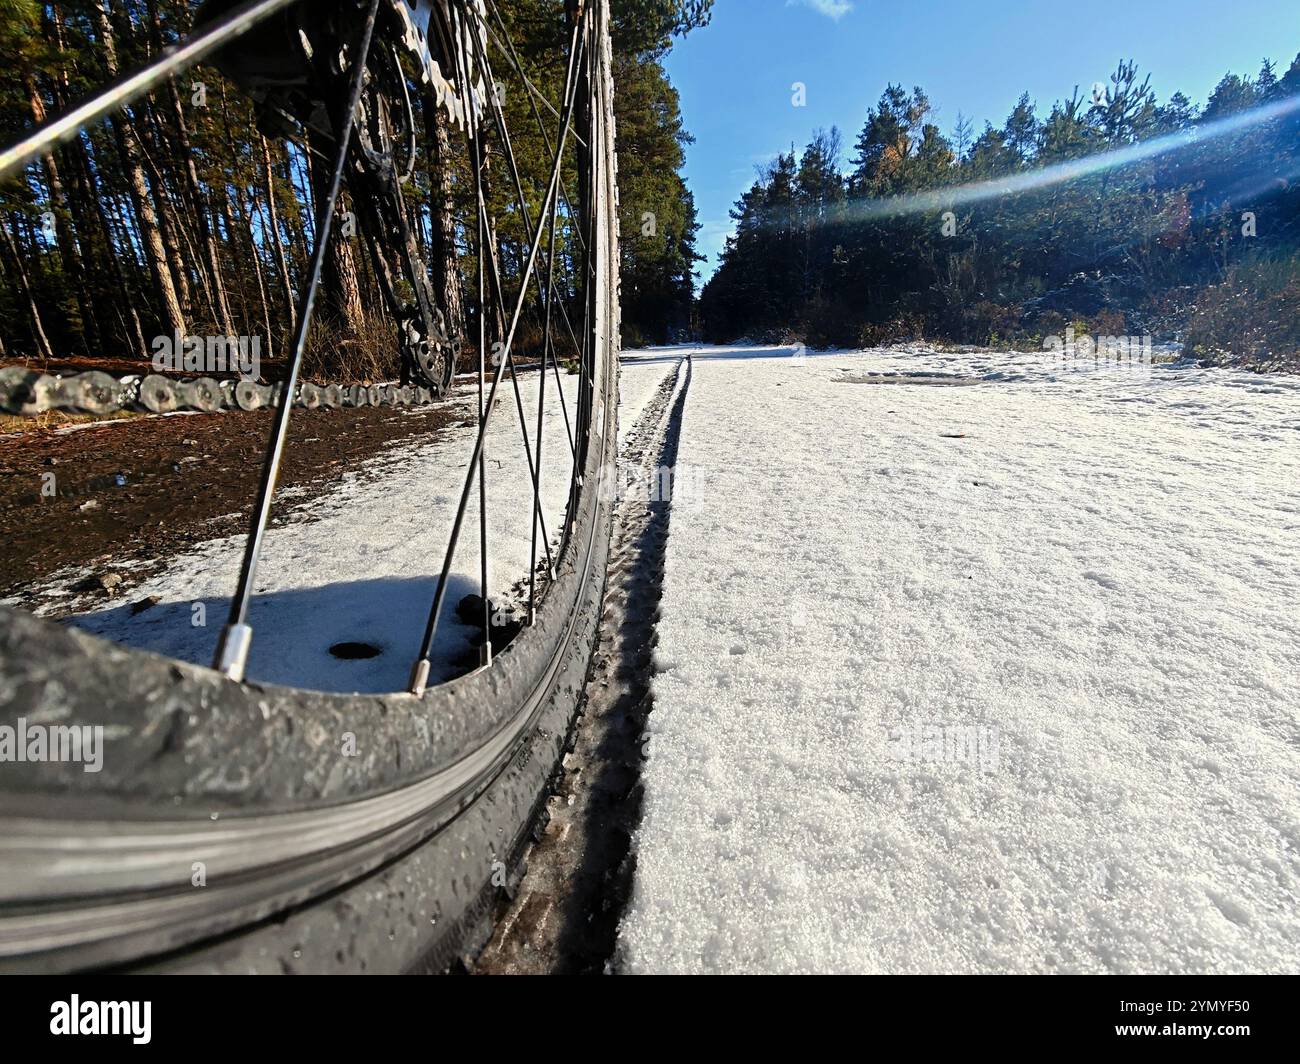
(228, 828)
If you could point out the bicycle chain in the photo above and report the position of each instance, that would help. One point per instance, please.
(28, 393)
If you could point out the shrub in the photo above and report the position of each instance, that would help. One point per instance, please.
(1107, 322)
(1251, 319)
(987, 322)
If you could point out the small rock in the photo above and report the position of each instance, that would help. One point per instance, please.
(89, 504)
(145, 604)
(503, 626)
(470, 609)
(501, 636)
(98, 582)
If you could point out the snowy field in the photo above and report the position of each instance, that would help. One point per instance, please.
(360, 563)
(998, 677)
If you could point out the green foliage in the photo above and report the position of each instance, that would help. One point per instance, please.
(647, 27)
(837, 258)
(656, 210)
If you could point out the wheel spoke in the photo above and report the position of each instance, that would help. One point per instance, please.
(541, 408)
(482, 232)
(498, 288)
(171, 62)
(236, 637)
(544, 294)
(421, 669)
(513, 55)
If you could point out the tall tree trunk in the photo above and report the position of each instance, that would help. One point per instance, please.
(195, 193)
(277, 239)
(231, 230)
(69, 249)
(146, 216)
(132, 330)
(14, 260)
(295, 173)
(245, 222)
(495, 294)
(169, 228)
(111, 282)
(340, 284)
(442, 260)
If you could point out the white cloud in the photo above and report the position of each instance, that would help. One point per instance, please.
(834, 9)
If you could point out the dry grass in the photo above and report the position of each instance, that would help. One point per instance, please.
(57, 419)
(366, 358)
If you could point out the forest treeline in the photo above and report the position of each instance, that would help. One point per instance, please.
(178, 216)
(1200, 242)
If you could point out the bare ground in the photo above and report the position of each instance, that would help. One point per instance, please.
(138, 490)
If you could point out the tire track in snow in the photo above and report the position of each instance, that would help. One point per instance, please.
(564, 915)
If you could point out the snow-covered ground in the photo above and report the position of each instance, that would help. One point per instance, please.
(640, 375)
(1000, 677)
(359, 563)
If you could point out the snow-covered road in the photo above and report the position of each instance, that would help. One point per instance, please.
(1001, 677)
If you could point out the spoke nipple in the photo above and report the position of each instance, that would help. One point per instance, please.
(232, 651)
(420, 677)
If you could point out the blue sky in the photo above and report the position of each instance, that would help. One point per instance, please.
(973, 56)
